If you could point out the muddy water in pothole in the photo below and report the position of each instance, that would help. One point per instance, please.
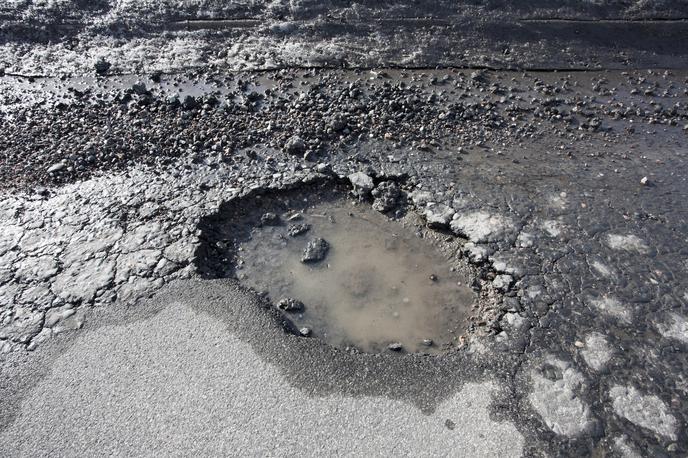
(379, 284)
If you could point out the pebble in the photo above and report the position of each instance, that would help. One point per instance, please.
(396, 346)
(295, 145)
(269, 219)
(298, 229)
(439, 216)
(56, 167)
(289, 304)
(362, 183)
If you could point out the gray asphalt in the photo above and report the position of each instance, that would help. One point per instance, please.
(175, 380)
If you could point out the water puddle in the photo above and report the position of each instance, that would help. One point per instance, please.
(340, 271)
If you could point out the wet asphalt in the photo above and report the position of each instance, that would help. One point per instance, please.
(201, 369)
(566, 182)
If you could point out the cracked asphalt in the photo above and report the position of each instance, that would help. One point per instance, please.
(564, 190)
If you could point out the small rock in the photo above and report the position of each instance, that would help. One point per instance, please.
(439, 216)
(293, 216)
(295, 145)
(502, 282)
(386, 196)
(476, 75)
(427, 342)
(56, 167)
(305, 331)
(315, 250)
(338, 124)
(298, 229)
(481, 227)
(323, 168)
(433, 277)
(420, 198)
(396, 346)
(644, 181)
(269, 219)
(362, 183)
(289, 304)
(102, 66)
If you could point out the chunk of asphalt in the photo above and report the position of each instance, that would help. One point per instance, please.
(315, 250)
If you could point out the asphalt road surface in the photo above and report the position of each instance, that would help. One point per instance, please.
(542, 151)
(180, 382)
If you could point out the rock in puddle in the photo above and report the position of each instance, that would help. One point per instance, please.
(269, 219)
(289, 304)
(396, 346)
(298, 229)
(315, 250)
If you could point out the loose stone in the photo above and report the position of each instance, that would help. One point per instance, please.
(289, 304)
(295, 145)
(269, 219)
(396, 346)
(298, 229)
(386, 196)
(439, 216)
(315, 250)
(362, 183)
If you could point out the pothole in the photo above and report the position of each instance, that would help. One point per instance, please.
(340, 271)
